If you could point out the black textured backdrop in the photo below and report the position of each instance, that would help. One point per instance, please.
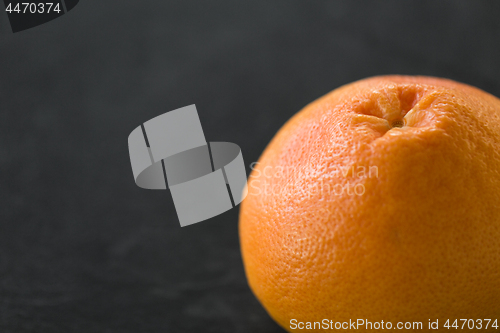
(82, 249)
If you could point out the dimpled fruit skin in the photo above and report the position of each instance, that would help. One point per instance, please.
(422, 241)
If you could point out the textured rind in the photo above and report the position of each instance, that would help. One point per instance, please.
(421, 242)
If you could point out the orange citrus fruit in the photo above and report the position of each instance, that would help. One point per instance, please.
(379, 201)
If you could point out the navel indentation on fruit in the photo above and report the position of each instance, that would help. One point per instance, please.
(398, 123)
(394, 108)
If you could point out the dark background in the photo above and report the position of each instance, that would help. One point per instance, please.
(82, 248)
